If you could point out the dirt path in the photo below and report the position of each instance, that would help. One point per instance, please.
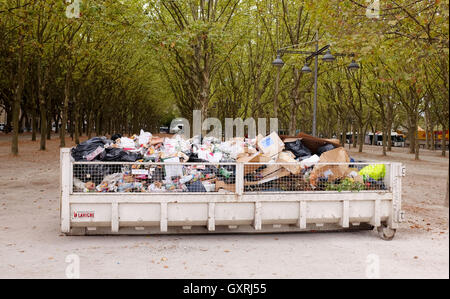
(31, 245)
(424, 186)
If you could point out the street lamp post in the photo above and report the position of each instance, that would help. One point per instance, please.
(327, 57)
(316, 75)
(278, 63)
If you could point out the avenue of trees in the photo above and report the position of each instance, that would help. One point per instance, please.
(120, 66)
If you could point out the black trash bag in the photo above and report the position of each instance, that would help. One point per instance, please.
(81, 151)
(119, 155)
(193, 158)
(92, 172)
(297, 148)
(325, 148)
(196, 187)
(115, 137)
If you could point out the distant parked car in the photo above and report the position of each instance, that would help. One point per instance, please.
(5, 128)
(164, 130)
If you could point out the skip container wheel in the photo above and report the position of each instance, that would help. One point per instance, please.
(386, 233)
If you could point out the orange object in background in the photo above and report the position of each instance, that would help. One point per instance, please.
(438, 135)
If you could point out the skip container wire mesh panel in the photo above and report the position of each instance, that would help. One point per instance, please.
(151, 177)
(93, 177)
(295, 177)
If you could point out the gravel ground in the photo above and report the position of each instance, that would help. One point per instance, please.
(31, 245)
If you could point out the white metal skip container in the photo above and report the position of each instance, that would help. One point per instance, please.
(240, 210)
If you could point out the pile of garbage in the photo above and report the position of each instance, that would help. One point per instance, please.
(273, 163)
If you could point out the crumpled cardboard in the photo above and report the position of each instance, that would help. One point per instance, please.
(332, 172)
(253, 158)
(246, 158)
(354, 174)
(270, 169)
(222, 185)
(278, 174)
(270, 145)
(276, 171)
(288, 157)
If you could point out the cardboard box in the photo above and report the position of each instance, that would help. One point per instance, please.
(278, 174)
(288, 157)
(332, 172)
(222, 185)
(246, 158)
(255, 158)
(271, 145)
(270, 170)
(261, 159)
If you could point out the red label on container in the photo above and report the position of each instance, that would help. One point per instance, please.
(83, 214)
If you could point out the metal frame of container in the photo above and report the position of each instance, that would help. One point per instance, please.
(238, 212)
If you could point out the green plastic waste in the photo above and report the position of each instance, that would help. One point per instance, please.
(376, 172)
(225, 173)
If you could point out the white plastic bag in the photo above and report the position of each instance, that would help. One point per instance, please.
(144, 138)
(127, 143)
(311, 161)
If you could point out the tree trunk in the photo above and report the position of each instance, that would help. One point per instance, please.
(375, 138)
(43, 112)
(71, 122)
(276, 93)
(89, 123)
(23, 116)
(417, 147)
(294, 100)
(343, 132)
(412, 132)
(57, 119)
(390, 120)
(109, 127)
(62, 135)
(15, 121)
(444, 140)
(83, 123)
(361, 139)
(77, 128)
(50, 127)
(76, 117)
(427, 125)
(17, 99)
(293, 119)
(412, 141)
(98, 124)
(33, 125)
(33, 112)
(433, 138)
